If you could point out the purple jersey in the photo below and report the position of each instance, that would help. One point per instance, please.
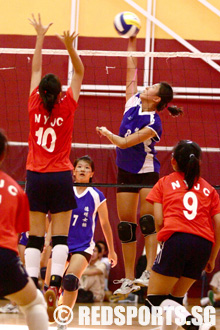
(83, 220)
(140, 158)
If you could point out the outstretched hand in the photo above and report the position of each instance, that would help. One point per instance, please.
(39, 27)
(68, 38)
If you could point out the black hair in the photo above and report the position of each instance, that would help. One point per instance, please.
(86, 159)
(166, 95)
(187, 155)
(99, 248)
(49, 89)
(3, 144)
(103, 243)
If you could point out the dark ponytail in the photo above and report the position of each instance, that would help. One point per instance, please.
(187, 155)
(49, 89)
(3, 144)
(166, 95)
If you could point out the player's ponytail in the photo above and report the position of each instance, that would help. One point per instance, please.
(49, 89)
(166, 96)
(3, 144)
(187, 155)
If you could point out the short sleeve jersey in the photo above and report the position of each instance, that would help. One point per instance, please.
(188, 211)
(84, 219)
(14, 210)
(50, 136)
(140, 158)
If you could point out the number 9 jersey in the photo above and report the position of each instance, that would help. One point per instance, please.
(50, 135)
(187, 211)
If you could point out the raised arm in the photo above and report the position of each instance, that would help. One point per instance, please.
(131, 77)
(107, 231)
(37, 58)
(78, 66)
(128, 141)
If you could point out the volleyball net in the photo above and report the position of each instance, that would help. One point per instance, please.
(196, 84)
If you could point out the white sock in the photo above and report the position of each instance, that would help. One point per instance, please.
(32, 261)
(59, 258)
(172, 303)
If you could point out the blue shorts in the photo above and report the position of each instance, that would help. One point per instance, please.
(23, 239)
(50, 191)
(125, 177)
(13, 276)
(183, 255)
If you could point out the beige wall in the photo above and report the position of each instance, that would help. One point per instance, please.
(188, 18)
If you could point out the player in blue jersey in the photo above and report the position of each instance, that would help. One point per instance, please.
(91, 204)
(137, 163)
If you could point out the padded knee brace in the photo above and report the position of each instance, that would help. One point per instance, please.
(70, 282)
(177, 299)
(155, 300)
(56, 240)
(35, 242)
(127, 231)
(147, 225)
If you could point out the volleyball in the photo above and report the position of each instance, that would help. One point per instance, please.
(127, 24)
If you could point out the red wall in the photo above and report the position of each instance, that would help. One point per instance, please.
(200, 121)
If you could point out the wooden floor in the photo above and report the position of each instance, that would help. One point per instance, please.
(17, 321)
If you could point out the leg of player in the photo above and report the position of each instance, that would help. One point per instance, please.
(60, 229)
(159, 290)
(32, 304)
(127, 204)
(35, 244)
(146, 223)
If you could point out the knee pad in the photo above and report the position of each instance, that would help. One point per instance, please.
(39, 300)
(147, 225)
(70, 282)
(177, 299)
(43, 272)
(35, 242)
(36, 313)
(155, 300)
(59, 240)
(127, 231)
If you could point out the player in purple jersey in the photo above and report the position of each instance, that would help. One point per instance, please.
(137, 164)
(91, 204)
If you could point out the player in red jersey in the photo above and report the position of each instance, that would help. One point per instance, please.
(187, 219)
(49, 170)
(15, 284)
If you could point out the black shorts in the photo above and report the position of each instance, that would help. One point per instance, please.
(183, 255)
(13, 276)
(83, 253)
(50, 191)
(125, 177)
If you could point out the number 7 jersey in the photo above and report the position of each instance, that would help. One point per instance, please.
(188, 211)
(50, 135)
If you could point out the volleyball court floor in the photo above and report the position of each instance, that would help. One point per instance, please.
(17, 321)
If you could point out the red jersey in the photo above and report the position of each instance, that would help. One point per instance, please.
(187, 211)
(50, 136)
(14, 211)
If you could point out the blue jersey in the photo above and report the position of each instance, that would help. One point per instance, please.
(140, 158)
(84, 219)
